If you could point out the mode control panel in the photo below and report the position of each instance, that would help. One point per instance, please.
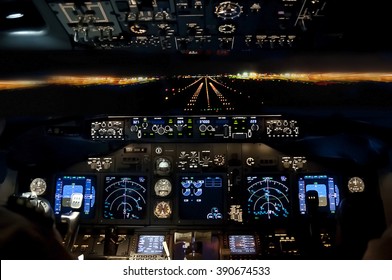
(189, 128)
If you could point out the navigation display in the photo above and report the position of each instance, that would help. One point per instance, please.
(201, 198)
(243, 244)
(326, 188)
(125, 198)
(150, 244)
(268, 197)
(75, 194)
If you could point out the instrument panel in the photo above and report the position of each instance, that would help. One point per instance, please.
(204, 170)
(221, 183)
(196, 184)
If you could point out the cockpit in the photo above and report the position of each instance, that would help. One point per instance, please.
(197, 130)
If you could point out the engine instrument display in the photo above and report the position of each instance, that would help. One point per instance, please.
(268, 197)
(326, 187)
(201, 198)
(75, 194)
(125, 197)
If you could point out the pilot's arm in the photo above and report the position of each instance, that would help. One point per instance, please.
(380, 248)
(22, 237)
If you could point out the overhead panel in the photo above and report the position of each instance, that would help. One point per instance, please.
(189, 26)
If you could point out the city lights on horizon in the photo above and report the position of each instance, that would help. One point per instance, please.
(74, 81)
(311, 77)
(343, 77)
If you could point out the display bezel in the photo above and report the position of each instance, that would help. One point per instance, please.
(182, 219)
(146, 212)
(323, 210)
(148, 238)
(92, 216)
(255, 249)
(288, 200)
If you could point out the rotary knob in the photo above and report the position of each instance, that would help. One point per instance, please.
(138, 29)
(250, 161)
(111, 132)
(134, 128)
(180, 128)
(95, 126)
(254, 127)
(219, 160)
(107, 164)
(226, 28)
(202, 128)
(161, 130)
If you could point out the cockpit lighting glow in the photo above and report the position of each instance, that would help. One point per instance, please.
(14, 16)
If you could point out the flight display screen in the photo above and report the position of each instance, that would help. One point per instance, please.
(150, 244)
(244, 244)
(268, 197)
(75, 194)
(201, 198)
(125, 198)
(326, 188)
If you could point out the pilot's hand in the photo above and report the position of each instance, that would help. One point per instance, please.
(28, 231)
(33, 208)
(380, 248)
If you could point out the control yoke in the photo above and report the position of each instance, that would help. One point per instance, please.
(72, 220)
(312, 205)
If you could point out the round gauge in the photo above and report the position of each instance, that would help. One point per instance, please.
(228, 10)
(219, 160)
(163, 187)
(226, 28)
(125, 198)
(38, 186)
(162, 210)
(138, 29)
(356, 184)
(268, 197)
(162, 166)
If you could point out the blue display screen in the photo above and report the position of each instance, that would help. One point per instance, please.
(201, 198)
(75, 194)
(125, 197)
(326, 188)
(268, 197)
